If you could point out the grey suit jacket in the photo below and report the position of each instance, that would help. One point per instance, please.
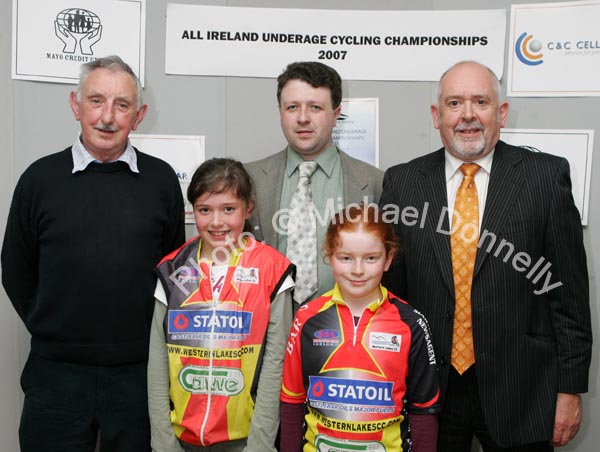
(360, 180)
(532, 336)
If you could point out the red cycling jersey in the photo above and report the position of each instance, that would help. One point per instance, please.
(359, 379)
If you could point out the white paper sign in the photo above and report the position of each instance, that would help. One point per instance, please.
(52, 38)
(184, 153)
(574, 145)
(357, 129)
(360, 45)
(554, 50)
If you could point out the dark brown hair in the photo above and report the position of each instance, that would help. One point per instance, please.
(218, 175)
(316, 75)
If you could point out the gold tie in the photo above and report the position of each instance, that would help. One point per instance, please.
(463, 241)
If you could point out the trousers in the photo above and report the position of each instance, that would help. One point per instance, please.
(67, 406)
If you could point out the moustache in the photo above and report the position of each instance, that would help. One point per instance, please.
(106, 128)
(474, 125)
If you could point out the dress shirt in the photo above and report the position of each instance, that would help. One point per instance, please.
(82, 158)
(327, 188)
(454, 177)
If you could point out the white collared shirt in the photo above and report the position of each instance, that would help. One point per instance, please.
(82, 158)
(454, 177)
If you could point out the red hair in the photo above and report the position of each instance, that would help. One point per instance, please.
(356, 217)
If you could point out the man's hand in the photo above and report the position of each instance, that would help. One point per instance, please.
(567, 419)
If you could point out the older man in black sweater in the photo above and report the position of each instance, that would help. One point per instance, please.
(86, 228)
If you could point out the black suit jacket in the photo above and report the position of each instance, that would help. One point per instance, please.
(532, 336)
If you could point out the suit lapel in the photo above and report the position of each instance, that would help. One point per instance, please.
(268, 198)
(505, 183)
(355, 179)
(432, 188)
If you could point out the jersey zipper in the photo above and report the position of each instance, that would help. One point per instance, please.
(210, 364)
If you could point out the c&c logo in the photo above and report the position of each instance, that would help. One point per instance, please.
(527, 50)
(77, 27)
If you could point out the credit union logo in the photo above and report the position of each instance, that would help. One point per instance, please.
(78, 28)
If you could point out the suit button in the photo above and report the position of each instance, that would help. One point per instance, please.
(443, 361)
(449, 315)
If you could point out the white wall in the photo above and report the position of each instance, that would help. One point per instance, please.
(239, 118)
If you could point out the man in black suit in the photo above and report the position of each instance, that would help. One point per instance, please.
(529, 317)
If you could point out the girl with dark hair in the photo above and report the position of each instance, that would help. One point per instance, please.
(223, 310)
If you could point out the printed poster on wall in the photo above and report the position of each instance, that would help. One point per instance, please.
(357, 129)
(360, 45)
(184, 153)
(554, 50)
(51, 39)
(574, 145)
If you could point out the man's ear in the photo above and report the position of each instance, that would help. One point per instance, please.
(337, 112)
(74, 104)
(435, 116)
(139, 116)
(503, 114)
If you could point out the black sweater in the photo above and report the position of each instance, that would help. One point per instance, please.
(79, 254)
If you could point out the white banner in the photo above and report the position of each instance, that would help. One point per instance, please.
(51, 39)
(554, 50)
(360, 45)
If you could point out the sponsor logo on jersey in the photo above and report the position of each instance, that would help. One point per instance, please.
(208, 321)
(246, 275)
(349, 391)
(425, 327)
(187, 275)
(328, 444)
(327, 337)
(385, 341)
(222, 381)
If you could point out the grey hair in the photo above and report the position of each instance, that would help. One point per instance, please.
(112, 63)
(497, 89)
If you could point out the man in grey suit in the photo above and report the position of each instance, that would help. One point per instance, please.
(529, 315)
(309, 96)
